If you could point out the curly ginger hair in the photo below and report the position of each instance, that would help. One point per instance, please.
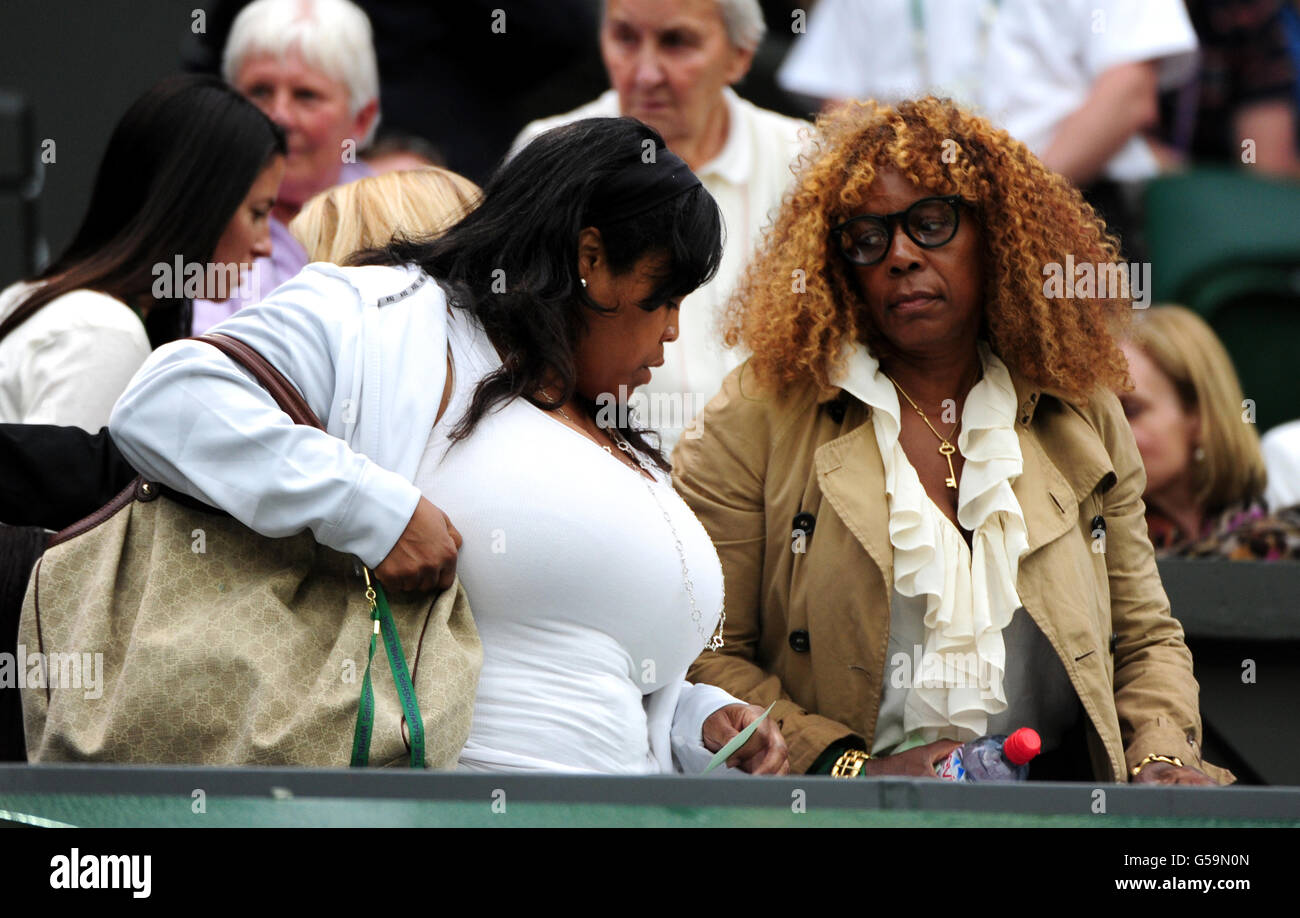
(798, 308)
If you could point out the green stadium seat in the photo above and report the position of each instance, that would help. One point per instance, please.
(1226, 244)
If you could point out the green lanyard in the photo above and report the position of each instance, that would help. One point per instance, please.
(382, 616)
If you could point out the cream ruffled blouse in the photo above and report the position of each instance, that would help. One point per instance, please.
(969, 591)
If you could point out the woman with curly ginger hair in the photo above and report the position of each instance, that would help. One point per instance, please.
(1029, 216)
(925, 496)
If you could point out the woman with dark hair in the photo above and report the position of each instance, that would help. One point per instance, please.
(462, 378)
(179, 209)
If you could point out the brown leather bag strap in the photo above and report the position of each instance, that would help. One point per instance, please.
(285, 394)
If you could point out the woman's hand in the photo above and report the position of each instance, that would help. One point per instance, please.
(919, 762)
(764, 753)
(1164, 773)
(424, 558)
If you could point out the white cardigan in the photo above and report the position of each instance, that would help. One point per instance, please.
(366, 348)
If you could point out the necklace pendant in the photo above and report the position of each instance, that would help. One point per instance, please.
(946, 450)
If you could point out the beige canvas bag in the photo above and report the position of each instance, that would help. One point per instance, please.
(220, 646)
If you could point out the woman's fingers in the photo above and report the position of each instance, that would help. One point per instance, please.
(424, 558)
(764, 753)
(941, 749)
(918, 762)
(776, 757)
(1164, 773)
(455, 533)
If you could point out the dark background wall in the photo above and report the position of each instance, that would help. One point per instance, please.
(445, 76)
(79, 63)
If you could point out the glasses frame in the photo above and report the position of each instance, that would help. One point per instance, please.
(899, 218)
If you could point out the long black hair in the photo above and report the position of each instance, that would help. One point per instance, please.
(513, 261)
(177, 167)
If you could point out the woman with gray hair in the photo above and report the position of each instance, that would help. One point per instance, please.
(310, 66)
(671, 64)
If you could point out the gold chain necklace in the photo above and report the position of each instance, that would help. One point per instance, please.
(946, 449)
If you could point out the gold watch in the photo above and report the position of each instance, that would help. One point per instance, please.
(849, 765)
(1167, 759)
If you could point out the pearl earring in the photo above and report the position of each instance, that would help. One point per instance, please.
(583, 281)
(670, 331)
(1199, 454)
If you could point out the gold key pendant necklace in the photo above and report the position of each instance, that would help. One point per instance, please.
(946, 449)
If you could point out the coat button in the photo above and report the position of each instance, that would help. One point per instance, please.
(799, 641)
(1114, 639)
(836, 410)
(804, 522)
(1099, 522)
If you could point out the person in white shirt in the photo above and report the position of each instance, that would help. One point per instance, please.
(179, 209)
(1074, 80)
(671, 65)
(470, 387)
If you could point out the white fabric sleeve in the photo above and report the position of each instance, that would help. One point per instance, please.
(1281, 448)
(694, 705)
(1127, 31)
(73, 376)
(829, 61)
(194, 421)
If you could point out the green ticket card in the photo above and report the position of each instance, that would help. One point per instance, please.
(737, 741)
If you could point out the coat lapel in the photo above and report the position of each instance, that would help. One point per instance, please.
(1046, 498)
(852, 477)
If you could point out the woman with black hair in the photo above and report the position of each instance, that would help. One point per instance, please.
(178, 210)
(462, 378)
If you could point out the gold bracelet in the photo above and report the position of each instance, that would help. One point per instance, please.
(1167, 759)
(849, 765)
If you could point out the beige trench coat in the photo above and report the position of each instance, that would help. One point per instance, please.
(808, 624)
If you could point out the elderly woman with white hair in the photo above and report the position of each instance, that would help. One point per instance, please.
(310, 66)
(671, 64)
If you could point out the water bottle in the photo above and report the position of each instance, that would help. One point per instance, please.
(992, 758)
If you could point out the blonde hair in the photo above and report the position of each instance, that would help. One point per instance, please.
(1185, 349)
(367, 213)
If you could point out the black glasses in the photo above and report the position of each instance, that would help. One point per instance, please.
(930, 223)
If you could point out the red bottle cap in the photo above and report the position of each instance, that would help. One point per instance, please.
(1022, 745)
